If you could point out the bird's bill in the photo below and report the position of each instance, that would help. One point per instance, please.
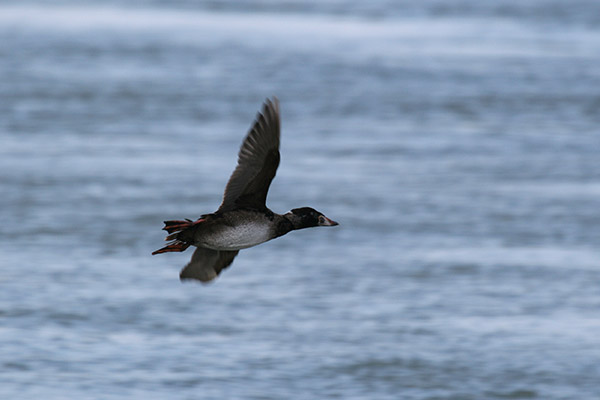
(328, 222)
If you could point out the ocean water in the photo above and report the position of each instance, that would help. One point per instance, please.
(457, 143)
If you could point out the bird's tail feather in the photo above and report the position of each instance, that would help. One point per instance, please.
(174, 228)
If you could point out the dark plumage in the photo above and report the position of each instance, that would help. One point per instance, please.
(243, 219)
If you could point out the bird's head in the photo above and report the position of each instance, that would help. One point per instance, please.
(307, 217)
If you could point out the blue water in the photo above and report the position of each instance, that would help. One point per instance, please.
(457, 143)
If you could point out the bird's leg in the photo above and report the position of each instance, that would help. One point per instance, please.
(174, 228)
(179, 225)
(177, 245)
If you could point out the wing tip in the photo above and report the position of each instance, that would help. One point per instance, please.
(194, 274)
(271, 103)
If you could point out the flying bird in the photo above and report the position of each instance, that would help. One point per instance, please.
(243, 219)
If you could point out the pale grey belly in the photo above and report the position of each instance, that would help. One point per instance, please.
(236, 238)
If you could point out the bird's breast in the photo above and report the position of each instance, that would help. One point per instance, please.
(236, 236)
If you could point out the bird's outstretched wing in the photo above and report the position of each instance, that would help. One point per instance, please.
(206, 264)
(258, 160)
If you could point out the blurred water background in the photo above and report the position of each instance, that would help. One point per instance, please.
(457, 143)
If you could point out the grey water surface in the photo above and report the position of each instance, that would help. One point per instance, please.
(457, 143)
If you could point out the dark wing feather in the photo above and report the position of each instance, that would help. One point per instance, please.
(206, 264)
(258, 160)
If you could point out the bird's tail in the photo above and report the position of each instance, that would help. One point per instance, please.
(174, 229)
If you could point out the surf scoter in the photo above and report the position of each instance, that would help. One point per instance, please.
(243, 219)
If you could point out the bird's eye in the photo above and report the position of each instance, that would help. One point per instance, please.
(321, 219)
